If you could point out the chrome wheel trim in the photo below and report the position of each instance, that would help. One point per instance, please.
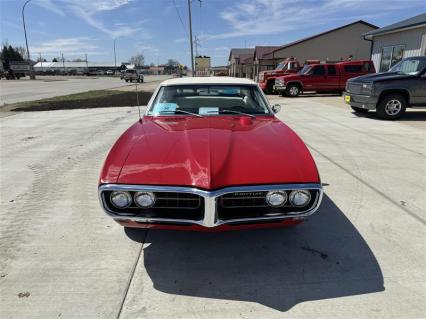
(293, 90)
(393, 107)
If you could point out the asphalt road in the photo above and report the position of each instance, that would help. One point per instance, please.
(46, 87)
(362, 255)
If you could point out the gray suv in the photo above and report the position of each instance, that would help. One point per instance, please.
(131, 75)
(389, 93)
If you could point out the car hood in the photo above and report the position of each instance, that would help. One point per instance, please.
(215, 152)
(383, 76)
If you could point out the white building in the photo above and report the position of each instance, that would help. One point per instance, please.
(73, 67)
(397, 41)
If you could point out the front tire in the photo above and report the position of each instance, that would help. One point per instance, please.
(293, 90)
(359, 110)
(391, 106)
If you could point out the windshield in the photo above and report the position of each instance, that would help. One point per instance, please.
(280, 66)
(409, 66)
(209, 100)
(130, 71)
(305, 69)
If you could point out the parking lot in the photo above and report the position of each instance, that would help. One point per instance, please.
(362, 253)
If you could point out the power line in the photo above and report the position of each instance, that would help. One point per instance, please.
(180, 18)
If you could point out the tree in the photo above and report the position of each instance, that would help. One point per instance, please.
(9, 53)
(22, 51)
(172, 63)
(54, 60)
(137, 60)
(171, 67)
(78, 60)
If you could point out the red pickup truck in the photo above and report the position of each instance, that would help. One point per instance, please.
(267, 78)
(326, 77)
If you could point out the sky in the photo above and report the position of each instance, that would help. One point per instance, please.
(159, 28)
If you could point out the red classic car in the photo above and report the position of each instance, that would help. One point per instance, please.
(209, 154)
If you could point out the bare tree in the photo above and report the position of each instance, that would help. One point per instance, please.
(22, 51)
(137, 59)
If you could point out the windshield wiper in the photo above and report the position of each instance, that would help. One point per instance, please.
(182, 111)
(236, 112)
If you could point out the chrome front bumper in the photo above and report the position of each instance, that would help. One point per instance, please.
(210, 201)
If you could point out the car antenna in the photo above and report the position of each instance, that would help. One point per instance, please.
(137, 102)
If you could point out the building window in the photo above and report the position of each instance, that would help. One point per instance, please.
(391, 56)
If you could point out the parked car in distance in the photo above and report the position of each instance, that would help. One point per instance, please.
(267, 78)
(131, 75)
(326, 77)
(390, 93)
(109, 72)
(209, 155)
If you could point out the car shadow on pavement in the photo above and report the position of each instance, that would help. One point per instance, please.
(325, 257)
(409, 116)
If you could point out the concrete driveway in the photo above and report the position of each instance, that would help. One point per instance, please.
(361, 256)
(46, 87)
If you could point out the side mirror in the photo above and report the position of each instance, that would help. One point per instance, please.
(276, 108)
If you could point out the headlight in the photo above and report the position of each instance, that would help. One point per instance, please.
(144, 199)
(300, 197)
(121, 199)
(367, 87)
(276, 198)
(279, 82)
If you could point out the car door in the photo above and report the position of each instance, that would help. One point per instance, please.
(333, 78)
(316, 79)
(418, 89)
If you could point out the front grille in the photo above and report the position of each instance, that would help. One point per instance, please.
(177, 200)
(168, 205)
(354, 88)
(243, 199)
(243, 205)
(187, 206)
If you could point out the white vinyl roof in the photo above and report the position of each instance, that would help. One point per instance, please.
(208, 80)
(73, 64)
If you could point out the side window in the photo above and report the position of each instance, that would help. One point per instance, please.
(331, 69)
(318, 70)
(353, 68)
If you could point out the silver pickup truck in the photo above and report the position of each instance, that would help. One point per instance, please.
(133, 75)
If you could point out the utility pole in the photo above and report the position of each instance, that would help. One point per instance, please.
(32, 76)
(63, 62)
(197, 44)
(115, 59)
(190, 38)
(87, 64)
(41, 61)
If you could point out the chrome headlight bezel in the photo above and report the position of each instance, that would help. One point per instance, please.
(272, 195)
(148, 196)
(120, 193)
(293, 194)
